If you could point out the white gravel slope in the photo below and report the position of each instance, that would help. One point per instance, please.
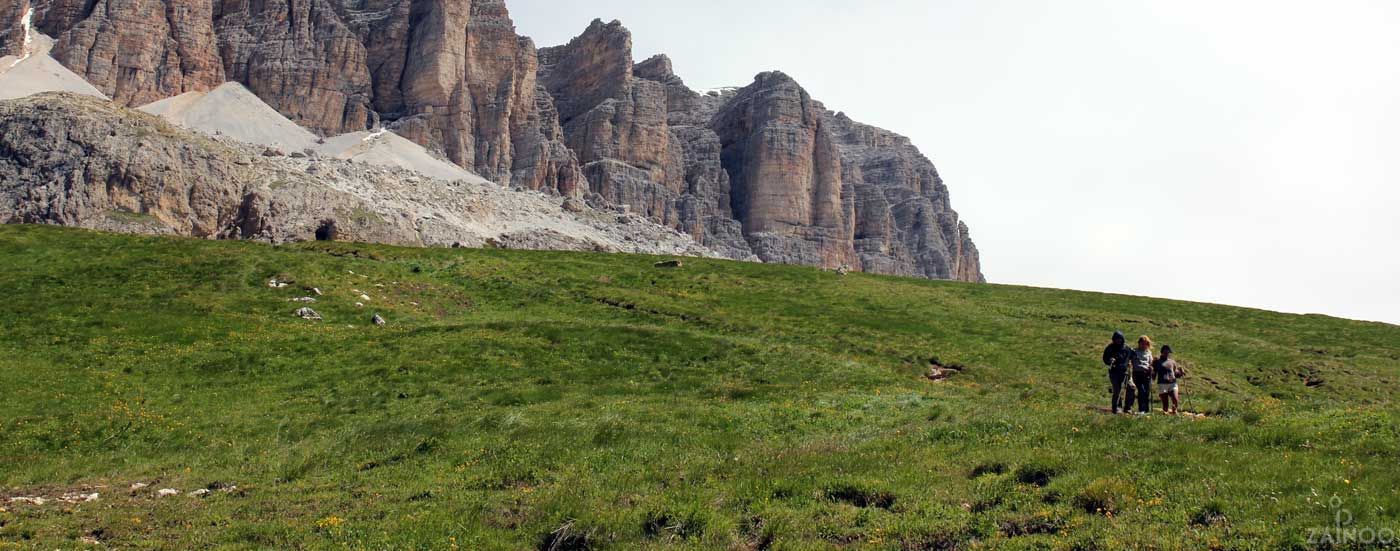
(36, 72)
(231, 110)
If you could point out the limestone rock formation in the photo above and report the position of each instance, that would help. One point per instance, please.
(81, 161)
(762, 171)
(15, 18)
(615, 123)
(786, 174)
(135, 51)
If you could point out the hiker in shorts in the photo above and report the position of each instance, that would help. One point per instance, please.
(1141, 360)
(1169, 375)
(1115, 356)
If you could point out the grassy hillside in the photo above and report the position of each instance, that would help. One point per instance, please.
(521, 400)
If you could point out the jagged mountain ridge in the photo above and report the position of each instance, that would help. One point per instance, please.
(765, 171)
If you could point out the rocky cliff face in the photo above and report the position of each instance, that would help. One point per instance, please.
(81, 161)
(764, 171)
(14, 17)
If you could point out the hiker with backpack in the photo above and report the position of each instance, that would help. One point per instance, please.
(1141, 359)
(1115, 356)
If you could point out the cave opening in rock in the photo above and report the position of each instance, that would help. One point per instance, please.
(326, 232)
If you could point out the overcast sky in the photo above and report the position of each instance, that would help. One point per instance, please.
(1242, 152)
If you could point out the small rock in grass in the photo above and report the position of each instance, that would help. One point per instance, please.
(29, 500)
(276, 283)
(316, 291)
(138, 485)
(167, 492)
(379, 320)
(307, 314)
(200, 492)
(359, 305)
(79, 497)
(670, 264)
(307, 300)
(364, 298)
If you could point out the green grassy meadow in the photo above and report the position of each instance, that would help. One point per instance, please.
(546, 400)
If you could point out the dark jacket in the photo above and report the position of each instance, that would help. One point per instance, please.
(1116, 357)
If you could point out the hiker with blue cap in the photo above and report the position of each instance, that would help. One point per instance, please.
(1117, 357)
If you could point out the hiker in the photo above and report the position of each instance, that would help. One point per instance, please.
(1169, 375)
(1141, 360)
(1115, 356)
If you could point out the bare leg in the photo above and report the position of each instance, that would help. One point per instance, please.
(1165, 399)
(1176, 401)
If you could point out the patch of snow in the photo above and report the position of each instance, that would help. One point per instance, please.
(720, 91)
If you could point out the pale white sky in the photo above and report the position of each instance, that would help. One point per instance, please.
(1235, 151)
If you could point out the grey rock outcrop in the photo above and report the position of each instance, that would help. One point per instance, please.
(759, 172)
(12, 29)
(80, 161)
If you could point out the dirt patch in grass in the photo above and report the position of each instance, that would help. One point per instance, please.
(1032, 525)
(1037, 474)
(938, 370)
(672, 525)
(567, 537)
(1212, 514)
(861, 498)
(988, 469)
